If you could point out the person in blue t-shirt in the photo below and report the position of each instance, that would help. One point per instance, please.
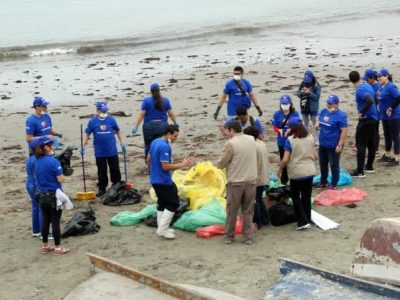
(39, 123)
(104, 128)
(239, 93)
(49, 177)
(332, 135)
(309, 93)
(159, 161)
(389, 109)
(366, 127)
(245, 120)
(154, 113)
(370, 77)
(280, 122)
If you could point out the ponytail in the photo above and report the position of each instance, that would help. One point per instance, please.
(39, 151)
(158, 98)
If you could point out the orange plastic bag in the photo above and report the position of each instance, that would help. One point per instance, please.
(214, 230)
(333, 197)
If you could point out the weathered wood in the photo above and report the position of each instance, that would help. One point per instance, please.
(158, 284)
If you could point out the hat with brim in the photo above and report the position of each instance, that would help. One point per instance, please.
(285, 100)
(383, 72)
(154, 87)
(369, 73)
(102, 107)
(332, 99)
(45, 140)
(39, 101)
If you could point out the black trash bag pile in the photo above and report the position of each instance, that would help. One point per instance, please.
(152, 219)
(65, 160)
(279, 193)
(81, 223)
(281, 213)
(119, 194)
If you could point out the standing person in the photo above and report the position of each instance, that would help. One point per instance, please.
(155, 111)
(389, 108)
(299, 159)
(366, 127)
(309, 93)
(371, 78)
(245, 120)
(280, 122)
(332, 135)
(240, 93)
(31, 188)
(39, 123)
(261, 217)
(239, 157)
(49, 177)
(160, 163)
(104, 129)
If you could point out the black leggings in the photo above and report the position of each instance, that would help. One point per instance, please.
(284, 177)
(167, 196)
(391, 131)
(300, 192)
(53, 217)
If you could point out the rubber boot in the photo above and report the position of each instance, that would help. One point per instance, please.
(163, 226)
(159, 214)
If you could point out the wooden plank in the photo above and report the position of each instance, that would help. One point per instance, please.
(163, 286)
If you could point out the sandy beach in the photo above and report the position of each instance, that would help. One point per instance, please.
(246, 271)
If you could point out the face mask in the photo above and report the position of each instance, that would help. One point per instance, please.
(169, 141)
(103, 115)
(43, 112)
(285, 107)
(51, 153)
(331, 110)
(237, 77)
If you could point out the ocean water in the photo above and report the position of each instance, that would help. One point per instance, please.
(32, 28)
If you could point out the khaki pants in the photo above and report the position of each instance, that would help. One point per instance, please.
(240, 195)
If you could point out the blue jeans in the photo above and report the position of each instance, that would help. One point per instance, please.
(37, 216)
(151, 131)
(329, 156)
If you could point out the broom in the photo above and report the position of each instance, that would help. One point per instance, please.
(84, 195)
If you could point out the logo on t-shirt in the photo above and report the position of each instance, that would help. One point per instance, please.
(44, 123)
(326, 118)
(103, 127)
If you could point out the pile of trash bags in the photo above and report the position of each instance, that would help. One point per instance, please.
(121, 194)
(81, 223)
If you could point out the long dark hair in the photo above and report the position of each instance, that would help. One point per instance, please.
(158, 98)
(298, 131)
(39, 151)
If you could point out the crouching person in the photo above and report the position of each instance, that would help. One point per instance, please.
(49, 176)
(239, 157)
(159, 160)
(261, 217)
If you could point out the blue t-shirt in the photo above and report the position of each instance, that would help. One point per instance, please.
(386, 97)
(257, 124)
(234, 95)
(38, 126)
(160, 151)
(330, 125)
(277, 121)
(30, 170)
(152, 113)
(104, 131)
(47, 168)
(362, 92)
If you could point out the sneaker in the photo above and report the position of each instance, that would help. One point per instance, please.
(384, 158)
(37, 234)
(332, 187)
(369, 169)
(393, 163)
(101, 193)
(49, 237)
(228, 241)
(322, 186)
(302, 227)
(248, 242)
(357, 174)
(377, 154)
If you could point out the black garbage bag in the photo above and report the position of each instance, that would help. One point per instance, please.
(281, 214)
(81, 223)
(119, 194)
(152, 219)
(65, 160)
(279, 193)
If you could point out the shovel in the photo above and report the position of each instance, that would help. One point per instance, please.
(84, 195)
(127, 185)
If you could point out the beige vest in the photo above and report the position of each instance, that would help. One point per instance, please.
(262, 163)
(301, 162)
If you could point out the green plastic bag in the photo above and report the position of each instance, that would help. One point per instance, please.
(127, 218)
(211, 213)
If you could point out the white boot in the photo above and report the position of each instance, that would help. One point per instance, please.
(159, 214)
(163, 224)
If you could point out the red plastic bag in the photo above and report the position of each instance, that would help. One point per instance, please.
(333, 197)
(214, 230)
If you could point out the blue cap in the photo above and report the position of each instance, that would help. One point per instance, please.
(308, 77)
(383, 72)
(39, 101)
(33, 143)
(368, 74)
(285, 99)
(154, 86)
(332, 99)
(294, 121)
(102, 106)
(44, 140)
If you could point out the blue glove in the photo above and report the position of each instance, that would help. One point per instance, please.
(59, 134)
(123, 148)
(134, 129)
(82, 151)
